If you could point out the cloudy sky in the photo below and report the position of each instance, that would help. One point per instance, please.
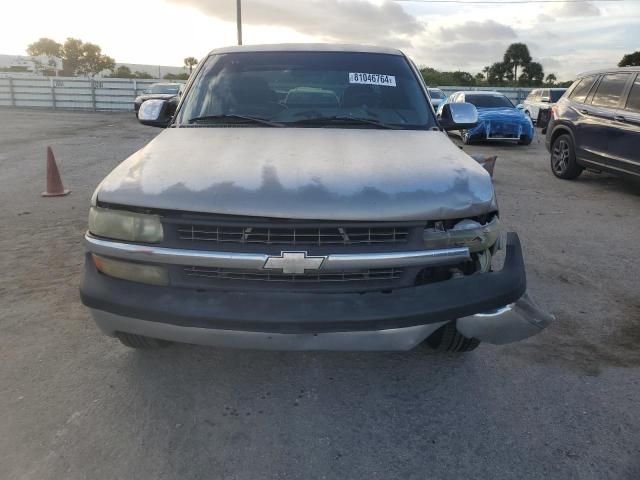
(565, 37)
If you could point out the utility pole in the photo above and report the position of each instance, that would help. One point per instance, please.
(239, 20)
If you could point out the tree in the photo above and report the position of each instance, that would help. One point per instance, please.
(78, 58)
(479, 77)
(143, 75)
(71, 54)
(630, 60)
(532, 74)
(190, 62)
(433, 77)
(551, 79)
(92, 61)
(48, 48)
(462, 78)
(498, 73)
(122, 72)
(516, 55)
(174, 76)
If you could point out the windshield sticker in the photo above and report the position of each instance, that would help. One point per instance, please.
(373, 79)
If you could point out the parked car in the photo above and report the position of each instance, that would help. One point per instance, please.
(541, 98)
(499, 119)
(270, 217)
(161, 91)
(437, 96)
(596, 124)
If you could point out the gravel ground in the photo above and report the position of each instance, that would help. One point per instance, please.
(76, 404)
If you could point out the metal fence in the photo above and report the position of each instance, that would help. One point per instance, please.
(117, 94)
(103, 94)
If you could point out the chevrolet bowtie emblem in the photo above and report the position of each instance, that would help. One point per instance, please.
(294, 262)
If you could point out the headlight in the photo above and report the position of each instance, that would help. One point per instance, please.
(134, 272)
(465, 233)
(123, 225)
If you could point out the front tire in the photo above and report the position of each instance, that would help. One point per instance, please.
(448, 339)
(563, 158)
(140, 342)
(525, 140)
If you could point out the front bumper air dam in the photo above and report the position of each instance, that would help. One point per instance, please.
(510, 323)
(305, 321)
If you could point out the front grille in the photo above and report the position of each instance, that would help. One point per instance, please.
(371, 275)
(293, 236)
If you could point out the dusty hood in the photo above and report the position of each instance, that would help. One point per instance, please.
(165, 96)
(303, 173)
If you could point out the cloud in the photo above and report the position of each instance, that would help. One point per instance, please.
(550, 62)
(566, 39)
(329, 20)
(469, 45)
(583, 9)
(487, 30)
(544, 18)
(467, 55)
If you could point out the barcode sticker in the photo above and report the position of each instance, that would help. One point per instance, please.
(373, 79)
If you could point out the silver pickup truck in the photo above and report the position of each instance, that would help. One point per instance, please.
(304, 197)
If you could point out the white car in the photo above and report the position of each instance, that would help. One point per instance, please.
(436, 96)
(541, 98)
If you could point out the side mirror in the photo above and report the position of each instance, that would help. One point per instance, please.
(545, 100)
(157, 113)
(520, 106)
(457, 116)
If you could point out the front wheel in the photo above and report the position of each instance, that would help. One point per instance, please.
(525, 140)
(563, 158)
(448, 339)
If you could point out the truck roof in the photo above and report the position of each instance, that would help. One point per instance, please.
(307, 47)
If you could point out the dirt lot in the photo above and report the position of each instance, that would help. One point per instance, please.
(76, 404)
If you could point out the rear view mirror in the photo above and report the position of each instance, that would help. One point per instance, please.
(458, 116)
(157, 113)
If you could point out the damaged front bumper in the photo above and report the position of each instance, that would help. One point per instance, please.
(492, 307)
(511, 323)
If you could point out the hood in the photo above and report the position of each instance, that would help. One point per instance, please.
(504, 114)
(160, 96)
(303, 173)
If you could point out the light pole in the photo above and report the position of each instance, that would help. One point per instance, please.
(239, 20)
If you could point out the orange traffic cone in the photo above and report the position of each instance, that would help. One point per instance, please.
(54, 182)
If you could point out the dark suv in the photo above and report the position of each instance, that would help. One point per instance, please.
(596, 124)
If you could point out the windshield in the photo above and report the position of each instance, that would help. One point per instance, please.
(436, 93)
(159, 88)
(308, 89)
(556, 94)
(489, 101)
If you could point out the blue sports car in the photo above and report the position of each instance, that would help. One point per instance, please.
(498, 119)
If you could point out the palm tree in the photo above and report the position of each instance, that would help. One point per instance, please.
(551, 79)
(190, 62)
(517, 55)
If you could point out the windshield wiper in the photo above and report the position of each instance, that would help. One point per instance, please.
(232, 116)
(343, 120)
